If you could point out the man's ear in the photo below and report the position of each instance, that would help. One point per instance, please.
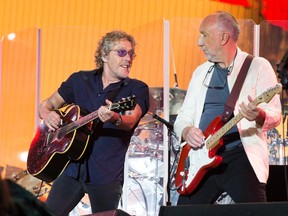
(225, 37)
(104, 58)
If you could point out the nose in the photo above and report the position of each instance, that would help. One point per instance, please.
(200, 42)
(127, 57)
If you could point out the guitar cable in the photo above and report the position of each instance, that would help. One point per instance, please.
(39, 190)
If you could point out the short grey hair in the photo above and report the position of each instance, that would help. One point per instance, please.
(229, 23)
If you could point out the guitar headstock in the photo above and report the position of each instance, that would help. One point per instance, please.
(268, 94)
(123, 105)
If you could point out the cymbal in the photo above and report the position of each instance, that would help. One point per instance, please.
(147, 119)
(176, 98)
(284, 102)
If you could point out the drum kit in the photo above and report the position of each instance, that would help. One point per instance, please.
(145, 155)
(277, 148)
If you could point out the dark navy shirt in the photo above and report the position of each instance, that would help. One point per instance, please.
(216, 98)
(103, 161)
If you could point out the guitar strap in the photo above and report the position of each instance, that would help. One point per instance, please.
(112, 94)
(111, 97)
(230, 104)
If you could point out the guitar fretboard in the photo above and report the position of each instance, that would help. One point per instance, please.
(93, 115)
(266, 96)
(214, 139)
(80, 122)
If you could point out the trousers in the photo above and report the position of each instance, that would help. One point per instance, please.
(67, 192)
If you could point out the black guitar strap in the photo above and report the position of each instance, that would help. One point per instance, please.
(230, 104)
(111, 97)
(112, 94)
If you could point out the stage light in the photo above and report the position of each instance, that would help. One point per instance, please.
(11, 36)
(23, 156)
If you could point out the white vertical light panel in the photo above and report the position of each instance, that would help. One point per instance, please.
(166, 67)
(256, 45)
(125, 185)
(1, 73)
(37, 75)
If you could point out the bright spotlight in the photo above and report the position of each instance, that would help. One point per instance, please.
(23, 156)
(11, 36)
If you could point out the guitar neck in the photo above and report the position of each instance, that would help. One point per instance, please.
(121, 106)
(81, 122)
(214, 139)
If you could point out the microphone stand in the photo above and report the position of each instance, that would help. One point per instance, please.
(170, 133)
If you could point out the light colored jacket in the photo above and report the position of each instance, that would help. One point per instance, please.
(259, 78)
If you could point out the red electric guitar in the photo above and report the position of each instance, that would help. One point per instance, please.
(51, 151)
(193, 164)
